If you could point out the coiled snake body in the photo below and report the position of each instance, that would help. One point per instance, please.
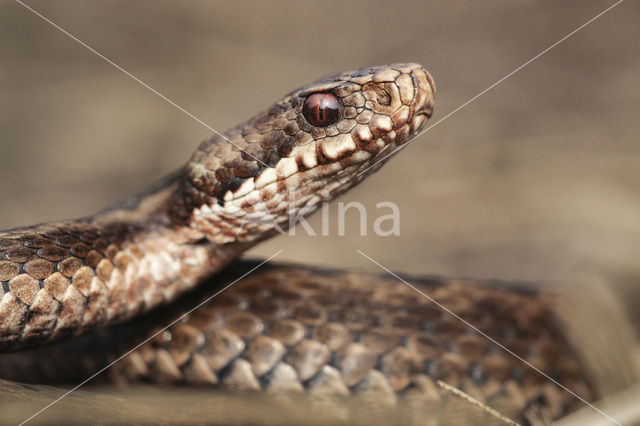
(283, 328)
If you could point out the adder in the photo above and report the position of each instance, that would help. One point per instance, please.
(78, 294)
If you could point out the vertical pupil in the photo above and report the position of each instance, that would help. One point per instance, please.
(321, 109)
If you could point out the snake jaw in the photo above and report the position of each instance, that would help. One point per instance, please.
(287, 164)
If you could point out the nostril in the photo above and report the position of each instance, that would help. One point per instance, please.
(376, 93)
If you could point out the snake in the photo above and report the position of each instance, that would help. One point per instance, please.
(78, 294)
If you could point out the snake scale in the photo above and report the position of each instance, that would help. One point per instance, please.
(75, 295)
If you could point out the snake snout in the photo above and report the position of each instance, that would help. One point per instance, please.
(401, 97)
(421, 90)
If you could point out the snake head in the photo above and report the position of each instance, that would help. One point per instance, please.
(307, 148)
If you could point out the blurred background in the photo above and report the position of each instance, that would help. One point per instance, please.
(538, 179)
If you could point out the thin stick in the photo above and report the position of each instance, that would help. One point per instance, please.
(457, 392)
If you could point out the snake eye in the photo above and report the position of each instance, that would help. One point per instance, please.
(321, 109)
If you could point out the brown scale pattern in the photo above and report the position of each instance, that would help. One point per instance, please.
(64, 279)
(53, 279)
(287, 328)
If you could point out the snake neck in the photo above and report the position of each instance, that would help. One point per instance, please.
(61, 279)
(157, 229)
(174, 209)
